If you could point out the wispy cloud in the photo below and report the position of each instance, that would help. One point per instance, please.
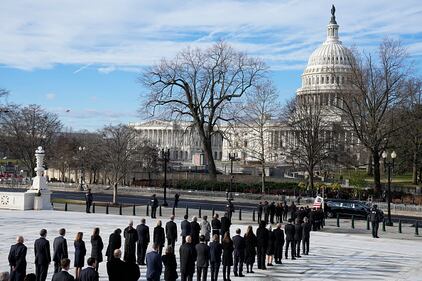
(128, 34)
(50, 96)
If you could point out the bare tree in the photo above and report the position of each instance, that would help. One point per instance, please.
(122, 152)
(198, 85)
(255, 123)
(375, 91)
(26, 128)
(312, 135)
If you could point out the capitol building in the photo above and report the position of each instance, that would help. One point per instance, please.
(325, 81)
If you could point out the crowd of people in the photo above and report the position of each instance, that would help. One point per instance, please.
(205, 246)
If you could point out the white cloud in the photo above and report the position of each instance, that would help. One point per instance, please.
(50, 96)
(128, 34)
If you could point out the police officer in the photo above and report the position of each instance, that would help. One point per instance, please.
(89, 198)
(154, 206)
(375, 217)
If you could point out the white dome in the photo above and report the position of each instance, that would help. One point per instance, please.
(330, 54)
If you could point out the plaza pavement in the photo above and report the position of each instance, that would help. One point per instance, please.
(333, 256)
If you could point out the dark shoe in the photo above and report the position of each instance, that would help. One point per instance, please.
(293, 258)
(241, 275)
(251, 271)
(235, 274)
(298, 256)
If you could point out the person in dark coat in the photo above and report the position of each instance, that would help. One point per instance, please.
(298, 237)
(170, 265)
(306, 235)
(271, 246)
(228, 249)
(186, 229)
(375, 217)
(154, 264)
(143, 241)
(97, 246)
(272, 212)
(116, 268)
(63, 274)
(17, 260)
(176, 200)
(80, 252)
(171, 232)
(131, 237)
(239, 253)
(154, 206)
(289, 230)
(279, 212)
(202, 259)
(262, 236)
(89, 198)
(259, 211)
(225, 225)
(59, 250)
(266, 210)
(187, 254)
(285, 210)
(114, 242)
(195, 228)
(215, 256)
(42, 256)
(159, 237)
(278, 243)
(216, 225)
(250, 249)
(132, 271)
(293, 210)
(89, 273)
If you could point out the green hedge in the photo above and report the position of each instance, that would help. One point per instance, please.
(271, 187)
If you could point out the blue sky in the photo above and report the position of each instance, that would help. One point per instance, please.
(81, 59)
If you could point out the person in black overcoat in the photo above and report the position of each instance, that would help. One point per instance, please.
(159, 237)
(116, 268)
(17, 260)
(154, 205)
(114, 242)
(225, 225)
(187, 254)
(195, 228)
(306, 235)
(131, 237)
(63, 274)
(170, 265)
(89, 273)
(42, 256)
(298, 237)
(278, 243)
(202, 259)
(89, 198)
(285, 210)
(215, 256)
(262, 236)
(239, 253)
(186, 228)
(266, 210)
(289, 230)
(59, 250)
(250, 249)
(216, 225)
(80, 252)
(272, 212)
(228, 249)
(143, 241)
(259, 210)
(271, 246)
(97, 246)
(171, 232)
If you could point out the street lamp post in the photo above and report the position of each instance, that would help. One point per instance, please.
(232, 157)
(389, 164)
(82, 151)
(165, 153)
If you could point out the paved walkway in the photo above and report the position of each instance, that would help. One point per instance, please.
(334, 256)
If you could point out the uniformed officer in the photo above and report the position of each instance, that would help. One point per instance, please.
(375, 217)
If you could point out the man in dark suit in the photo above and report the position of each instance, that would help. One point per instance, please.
(143, 241)
(42, 256)
(238, 253)
(195, 228)
(259, 212)
(60, 250)
(216, 225)
(279, 243)
(154, 264)
(225, 225)
(89, 273)
(154, 206)
(171, 232)
(186, 228)
(116, 268)
(306, 234)
(63, 275)
(187, 254)
(298, 236)
(215, 256)
(289, 230)
(262, 236)
(17, 260)
(202, 259)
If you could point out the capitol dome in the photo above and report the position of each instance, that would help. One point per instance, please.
(328, 68)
